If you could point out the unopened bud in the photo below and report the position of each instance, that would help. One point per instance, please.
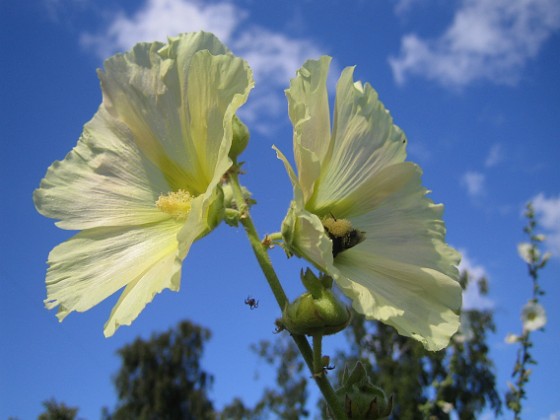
(316, 312)
(240, 137)
(360, 398)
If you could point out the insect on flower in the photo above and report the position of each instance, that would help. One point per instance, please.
(342, 234)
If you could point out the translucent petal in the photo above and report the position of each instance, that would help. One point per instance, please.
(402, 224)
(217, 87)
(417, 292)
(308, 106)
(161, 93)
(165, 123)
(365, 140)
(419, 302)
(96, 263)
(404, 240)
(104, 181)
(289, 169)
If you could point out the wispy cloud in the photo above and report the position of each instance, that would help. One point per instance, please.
(419, 152)
(495, 156)
(474, 182)
(404, 6)
(273, 56)
(472, 298)
(158, 19)
(487, 40)
(552, 416)
(547, 211)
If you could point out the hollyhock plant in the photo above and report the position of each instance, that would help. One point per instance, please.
(143, 182)
(360, 213)
(533, 316)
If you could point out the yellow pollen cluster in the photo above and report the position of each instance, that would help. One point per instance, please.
(176, 203)
(337, 227)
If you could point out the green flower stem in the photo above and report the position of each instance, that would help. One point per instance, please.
(276, 236)
(263, 259)
(317, 355)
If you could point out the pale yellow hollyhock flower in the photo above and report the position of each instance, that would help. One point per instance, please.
(385, 247)
(142, 184)
(533, 316)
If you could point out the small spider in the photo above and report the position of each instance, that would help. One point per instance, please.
(252, 302)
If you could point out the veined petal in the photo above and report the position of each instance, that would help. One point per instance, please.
(96, 263)
(419, 302)
(163, 273)
(365, 140)
(402, 224)
(289, 169)
(161, 93)
(308, 106)
(165, 124)
(216, 87)
(104, 181)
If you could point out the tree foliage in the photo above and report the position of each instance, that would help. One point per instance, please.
(161, 378)
(288, 399)
(57, 411)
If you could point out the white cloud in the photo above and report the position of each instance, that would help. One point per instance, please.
(404, 6)
(487, 40)
(472, 298)
(547, 211)
(419, 152)
(552, 416)
(158, 19)
(474, 183)
(274, 57)
(62, 10)
(495, 156)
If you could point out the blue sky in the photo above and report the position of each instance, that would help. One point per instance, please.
(473, 83)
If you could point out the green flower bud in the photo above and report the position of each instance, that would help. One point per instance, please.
(240, 138)
(316, 312)
(360, 398)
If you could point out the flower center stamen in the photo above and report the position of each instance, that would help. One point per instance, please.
(175, 203)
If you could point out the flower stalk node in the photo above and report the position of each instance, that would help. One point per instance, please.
(234, 212)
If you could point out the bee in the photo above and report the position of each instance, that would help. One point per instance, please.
(342, 234)
(252, 302)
